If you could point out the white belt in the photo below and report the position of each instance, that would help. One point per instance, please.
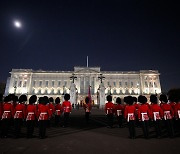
(51, 109)
(155, 114)
(43, 113)
(166, 114)
(119, 112)
(58, 110)
(30, 112)
(179, 114)
(142, 114)
(7, 111)
(130, 115)
(18, 111)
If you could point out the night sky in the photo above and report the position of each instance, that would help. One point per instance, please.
(116, 35)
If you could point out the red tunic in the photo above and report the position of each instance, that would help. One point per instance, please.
(144, 112)
(30, 112)
(119, 109)
(130, 112)
(58, 109)
(43, 112)
(87, 107)
(8, 110)
(51, 107)
(172, 105)
(177, 110)
(66, 105)
(19, 111)
(167, 111)
(109, 108)
(156, 111)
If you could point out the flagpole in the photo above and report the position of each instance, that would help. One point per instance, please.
(87, 61)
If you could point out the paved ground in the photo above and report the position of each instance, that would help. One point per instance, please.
(92, 138)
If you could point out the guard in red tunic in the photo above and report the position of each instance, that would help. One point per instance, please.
(129, 115)
(137, 108)
(66, 105)
(58, 111)
(109, 110)
(87, 109)
(30, 115)
(157, 114)
(43, 115)
(144, 114)
(168, 115)
(7, 115)
(19, 115)
(51, 108)
(119, 111)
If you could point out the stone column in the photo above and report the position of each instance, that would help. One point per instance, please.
(73, 94)
(102, 95)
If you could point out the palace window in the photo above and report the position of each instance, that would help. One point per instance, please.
(25, 83)
(131, 84)
(15, 84)
(52, 83)
(20, 84)
(34, 83)
(47, 83)
(65, 83)
(120, 84)
(46, 92)
(40, 83)
(155, 85)
(126, 84)
(59, 83)
(146, 84)
(114, 84)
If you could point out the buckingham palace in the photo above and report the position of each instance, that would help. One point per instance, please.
(57, 83)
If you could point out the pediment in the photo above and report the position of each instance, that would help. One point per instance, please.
(87, 70)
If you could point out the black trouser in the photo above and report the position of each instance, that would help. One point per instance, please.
(17, 126)
(57, 119)
(120, 120)
(131, 126)
(42, 128)
(5, 124)
(30, 127)
(87, 116)
(66, 118)
(145, 127)
(170, 128)
(157, 125)
(110, 120)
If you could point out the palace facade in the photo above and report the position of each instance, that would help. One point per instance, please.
(57, 83)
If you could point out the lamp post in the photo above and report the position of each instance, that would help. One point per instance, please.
(15, 89)
(73, 77)
(101, 77)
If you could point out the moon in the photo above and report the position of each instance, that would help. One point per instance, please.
(17, 24)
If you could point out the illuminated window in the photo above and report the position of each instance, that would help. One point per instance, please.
(155, 85)
(126, 83)
(59, 83)
(46, 92)
(114, 83)
(25, 83)
(47, 83)
(120, 84)
(65, 83)
(40, 83)
(15, 84)
(131, 84)
(146, 84)
(34, 83)
(20, 84)
(52, 83)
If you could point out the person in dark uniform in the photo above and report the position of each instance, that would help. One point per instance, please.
(31, 116)
(66, 105)
(19, 115)
(156, 114)
(144, 115)
(43, 115)
(7, 115)
(119, 111)
(87, 108)
(168, 114)
(58, 111)
(129, 115)
(109, 110)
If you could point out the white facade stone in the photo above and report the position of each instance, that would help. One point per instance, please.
(56, 83)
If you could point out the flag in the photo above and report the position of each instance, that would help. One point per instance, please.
(89, 94)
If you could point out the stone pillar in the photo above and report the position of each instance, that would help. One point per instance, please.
(73, 94)
(102, 95)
